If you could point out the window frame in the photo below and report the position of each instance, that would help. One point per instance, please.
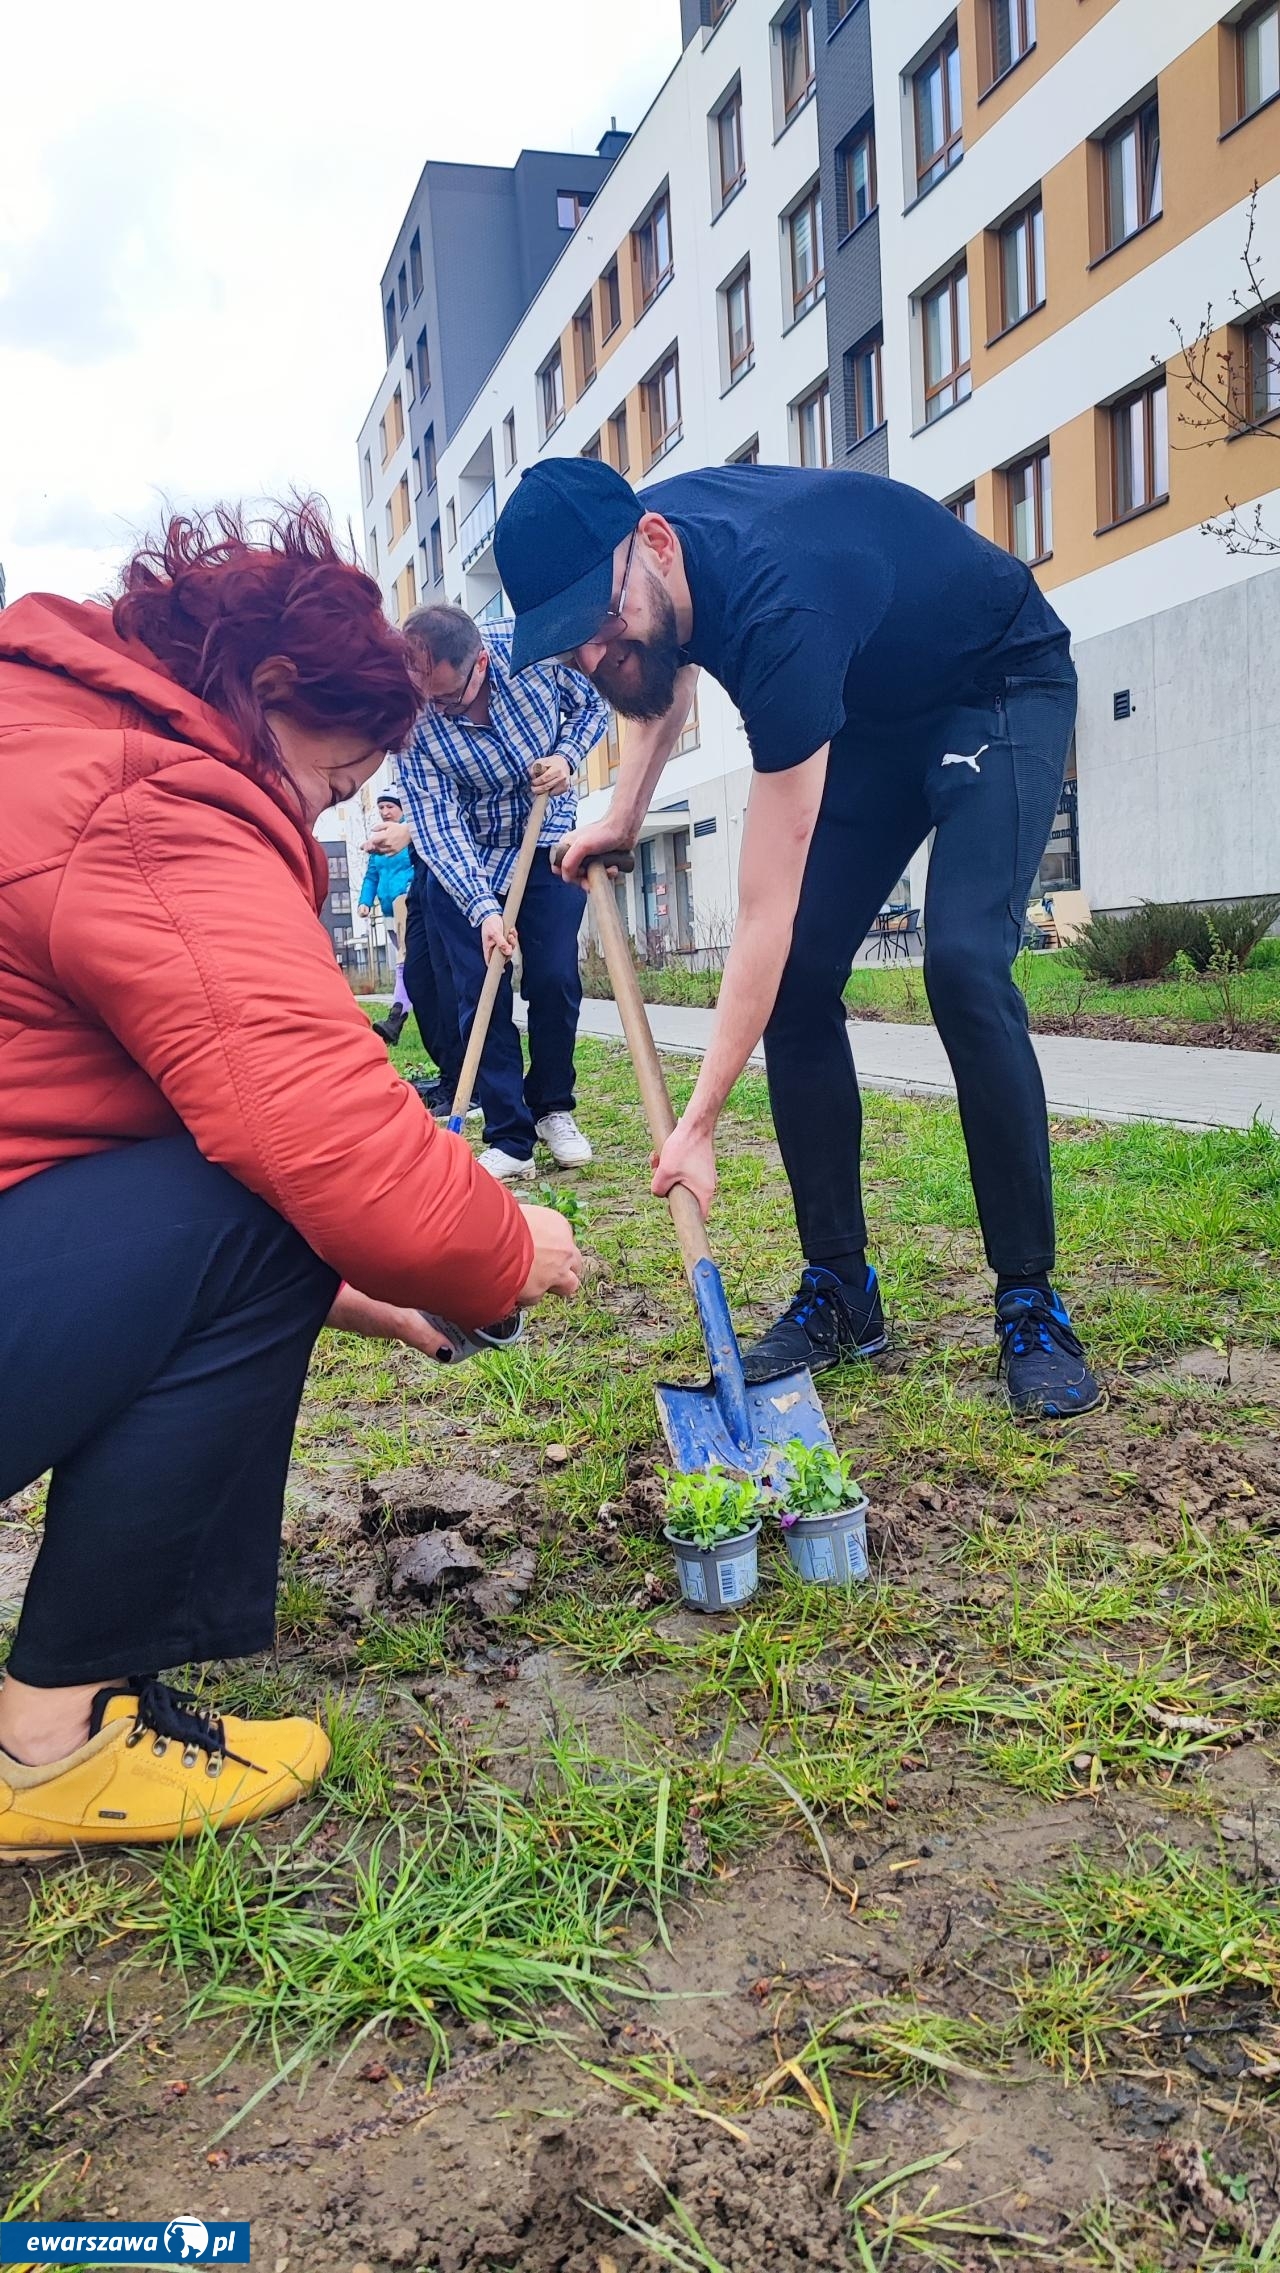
(579, 200)
(801, 15)
(728, 185)
(554, 364)
(1036, 466)
(863, 138)
(451, 523)
(610, 301)
(817, 395)
(422, 359)
(510, 456)
(815, 291)
(584, 344)
(949, 152)
(620, 426)
(1030, 218)
(1249, 23)
(867, 350)
(644, 237)
(1152, 429)
(415, 264)
(737, 368)
(437, 553)
(748, 455)
(430, 467)
(652, 390)
(1149, 171)
(402, 291)
(592, 449)
(1023, 16)
(1265, 325)
(368, 477)
(961, 365)
(958, 505)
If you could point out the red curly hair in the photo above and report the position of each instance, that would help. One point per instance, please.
(213, 596)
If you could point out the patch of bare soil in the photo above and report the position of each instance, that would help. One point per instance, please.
(1191, 1033)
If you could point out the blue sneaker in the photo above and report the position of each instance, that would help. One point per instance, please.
(1042, 1364)
(826, 1325)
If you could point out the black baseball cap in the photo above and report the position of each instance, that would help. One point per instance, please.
(554, 545)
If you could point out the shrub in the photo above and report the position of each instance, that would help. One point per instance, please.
(1265, 956)
(1144, 945)
(706, 1509)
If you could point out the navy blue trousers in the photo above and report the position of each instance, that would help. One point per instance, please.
(429, 984)
(549, 923)
(156, 1322)
(986, 779)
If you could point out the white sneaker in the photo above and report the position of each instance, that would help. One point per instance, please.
(505, 1166)
(564, 1140)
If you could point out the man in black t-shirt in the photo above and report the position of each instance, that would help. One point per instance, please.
(896, 675)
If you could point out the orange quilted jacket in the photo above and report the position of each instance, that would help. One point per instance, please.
(163, 965)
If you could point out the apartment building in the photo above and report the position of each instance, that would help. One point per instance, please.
(1062, 183)
(683, 325)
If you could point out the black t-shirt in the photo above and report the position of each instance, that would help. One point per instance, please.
(821, 600)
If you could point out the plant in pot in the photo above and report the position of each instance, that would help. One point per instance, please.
(713, 1523)
(822, 1510)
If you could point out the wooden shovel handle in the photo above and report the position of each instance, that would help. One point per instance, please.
(497, 964)
(686, 1214)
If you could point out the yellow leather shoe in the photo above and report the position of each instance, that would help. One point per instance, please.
(156, 1767)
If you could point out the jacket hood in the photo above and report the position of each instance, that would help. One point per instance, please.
(79, 639)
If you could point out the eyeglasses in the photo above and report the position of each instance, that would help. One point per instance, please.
(614, 620)
(449, 706)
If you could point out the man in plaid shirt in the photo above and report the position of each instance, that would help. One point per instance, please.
(486, 744)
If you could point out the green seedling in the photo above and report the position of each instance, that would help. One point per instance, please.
(567, 1204)
(819, 1481)
(706, 1509)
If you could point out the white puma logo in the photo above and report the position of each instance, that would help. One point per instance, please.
(954, 758)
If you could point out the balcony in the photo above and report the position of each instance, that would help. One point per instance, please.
(493, 611)
(477, 527)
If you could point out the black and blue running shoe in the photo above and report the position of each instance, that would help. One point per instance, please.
(1042, 1364)
(827, 1324)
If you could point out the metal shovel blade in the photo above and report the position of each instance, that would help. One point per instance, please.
(737, 1424)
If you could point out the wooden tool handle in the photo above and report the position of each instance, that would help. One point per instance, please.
(497, 964)
(686, 1214)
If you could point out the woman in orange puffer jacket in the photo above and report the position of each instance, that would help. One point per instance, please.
(181, 1210)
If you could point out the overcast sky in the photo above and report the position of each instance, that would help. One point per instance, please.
(195, 209)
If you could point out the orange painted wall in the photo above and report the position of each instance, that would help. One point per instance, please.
(1060, 25)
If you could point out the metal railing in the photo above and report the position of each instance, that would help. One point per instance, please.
(493, 610)
(477, 526)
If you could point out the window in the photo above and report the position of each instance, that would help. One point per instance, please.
(795, 34)
(804, 239)
(368, 479)
(748, 455)
(584, 345)
(619, 446)
(571, 204)
(610, 301)
(1029, 491)
(437, 554)
(423, 363)
(1132, 185)
(864, 390)
(509, 441)
(1011, 33)
(936, 101)
(653, 251)
(1262, 368)
(662, 406)
(965, 507)
(839, 10)
(402, 289)
(451, 523)
(945, 319)
(612, 748)
(551, 394)
(813, 427)
(855, 181)
(390, 324)
(398, 510)
(1258, 58)
(415, 264)
(1139, 450)
(591, 449)
(373, 550)
(408, 380)
(429, 457)
(690, 732)
(737, 324)
(391, 427)
(424, 566)
(719, 10)
(1022, 264)
(417, 473)
(732, 164)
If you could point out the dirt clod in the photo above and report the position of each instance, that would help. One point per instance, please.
(430, 1560)
(417, 1499)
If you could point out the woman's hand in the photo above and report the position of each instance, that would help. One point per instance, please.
(550, 775)
(557, 1265)
(354, 1313)
(690, 1159)
(495, 939)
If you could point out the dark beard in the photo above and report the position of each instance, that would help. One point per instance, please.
(659, 658)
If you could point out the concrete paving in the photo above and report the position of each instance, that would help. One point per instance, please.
(1110, 1081)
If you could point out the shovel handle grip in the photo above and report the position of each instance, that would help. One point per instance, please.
(686, 1214)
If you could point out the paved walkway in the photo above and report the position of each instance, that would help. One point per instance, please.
(1112, 1081)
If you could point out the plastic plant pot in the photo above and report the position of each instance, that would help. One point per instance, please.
(720, 1577)
(829, 1550)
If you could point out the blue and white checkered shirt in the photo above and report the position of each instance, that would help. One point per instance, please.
(467, 787)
